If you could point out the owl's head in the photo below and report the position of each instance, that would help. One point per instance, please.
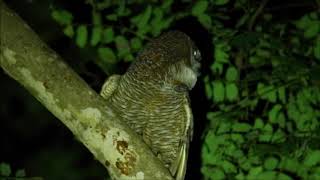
(186, 65)
(172, 57)
(182, 58)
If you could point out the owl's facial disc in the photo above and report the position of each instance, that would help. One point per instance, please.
(184, 75)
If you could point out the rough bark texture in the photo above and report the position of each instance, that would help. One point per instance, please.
(42, 72)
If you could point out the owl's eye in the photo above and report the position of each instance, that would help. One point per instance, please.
(196, 54)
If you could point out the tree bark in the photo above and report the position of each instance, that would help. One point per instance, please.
(43, 73)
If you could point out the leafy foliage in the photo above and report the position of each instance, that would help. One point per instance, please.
(263, 82)
(273, 127)
(6, 173)
(104, 32)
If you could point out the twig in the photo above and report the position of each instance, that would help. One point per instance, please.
(256, 14)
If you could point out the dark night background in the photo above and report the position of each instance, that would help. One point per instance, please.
(34, 140)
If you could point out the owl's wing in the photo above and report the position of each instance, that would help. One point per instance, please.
(109, 86)
(180, 165)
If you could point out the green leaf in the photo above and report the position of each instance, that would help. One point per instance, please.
(241, 127)
(267, 92)
(69, 31)
(315, 174)
(218, 91)
(5, 169)
(278, 137)
(217, 68)
(254, 160)
(121, 11)
(107, 55)
(239, 139)
(307, 121)
(303, 102)
(232, 74)
(157, 21)
(20, 173)
(304, 22)
(220, 55)
(267, 175)
(166, 4)
(101, 5)
(293, 111)
(258, 124)
(263, 53)
(281, 120)
(240, 176)
(228, 167)
(267, 133)
(255, 171)
(245, 165)
(199, 8)
(232, 91)
(212, 115)
(268, 128)
(208, 88)
(205, 20)
(303, 172)
(312, 158)
(271, 163)
(289, 164)
(255, 60)
(213, 173)
(122, 45)
(273, 113)
(158, 14)
(316, 50)
(63, 17)
(224, 128)
(82, 36)
(108, 35)
(163, 24)
(96, 18)
(96, 35)
(314, 15)
(141, 20)
(112, 17)
(243, 20)
(129, 58)
(218, 174)
(136, 44)
(212, 144)
(312, 31)
(220, 2)
(283, 176)
(261, 89)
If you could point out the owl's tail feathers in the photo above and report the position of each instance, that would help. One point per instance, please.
(179, 167)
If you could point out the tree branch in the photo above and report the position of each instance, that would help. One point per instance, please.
(42, 72)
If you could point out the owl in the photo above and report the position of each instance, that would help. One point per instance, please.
(152, 97)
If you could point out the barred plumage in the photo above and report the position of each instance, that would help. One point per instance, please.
(152, 97)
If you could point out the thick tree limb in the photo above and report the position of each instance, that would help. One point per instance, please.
(41, 71)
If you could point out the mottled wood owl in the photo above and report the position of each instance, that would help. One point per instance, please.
(152, 97)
